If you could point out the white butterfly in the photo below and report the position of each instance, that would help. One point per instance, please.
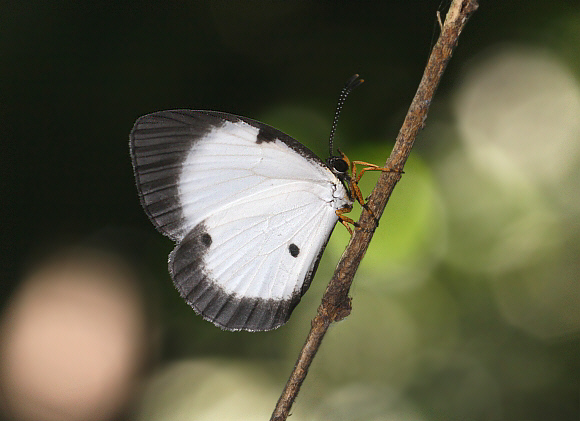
(250, 208)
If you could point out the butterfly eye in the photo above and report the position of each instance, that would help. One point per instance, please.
(340, 165)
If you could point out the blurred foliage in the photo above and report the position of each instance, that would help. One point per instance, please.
(467, 303)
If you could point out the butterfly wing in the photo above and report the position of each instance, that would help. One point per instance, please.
(250, 208)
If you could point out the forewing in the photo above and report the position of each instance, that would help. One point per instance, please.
(188, 164)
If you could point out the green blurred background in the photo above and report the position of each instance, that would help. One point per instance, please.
(466, 306)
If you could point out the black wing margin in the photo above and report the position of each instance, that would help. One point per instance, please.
(159, 144)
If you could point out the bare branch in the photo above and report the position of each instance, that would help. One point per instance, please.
(336, 303)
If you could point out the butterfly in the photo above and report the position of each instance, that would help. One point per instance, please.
(249, 208)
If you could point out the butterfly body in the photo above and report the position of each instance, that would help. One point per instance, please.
(250, 208)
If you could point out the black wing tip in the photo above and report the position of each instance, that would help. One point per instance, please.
(158, 144)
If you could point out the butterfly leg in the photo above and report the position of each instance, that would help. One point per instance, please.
(355, 178)
(353, 185)
(369, 167)
(345, 220)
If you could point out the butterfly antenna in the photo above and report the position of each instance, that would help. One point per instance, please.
(350, 84)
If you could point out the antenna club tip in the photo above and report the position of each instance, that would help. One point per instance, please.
(353, 82)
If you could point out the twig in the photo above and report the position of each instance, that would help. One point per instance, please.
(336, 302)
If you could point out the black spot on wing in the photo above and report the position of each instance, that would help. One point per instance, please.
(267, 134)
(294, 250)
(206, 239)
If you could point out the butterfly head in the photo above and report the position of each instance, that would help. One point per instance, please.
(339, 166)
